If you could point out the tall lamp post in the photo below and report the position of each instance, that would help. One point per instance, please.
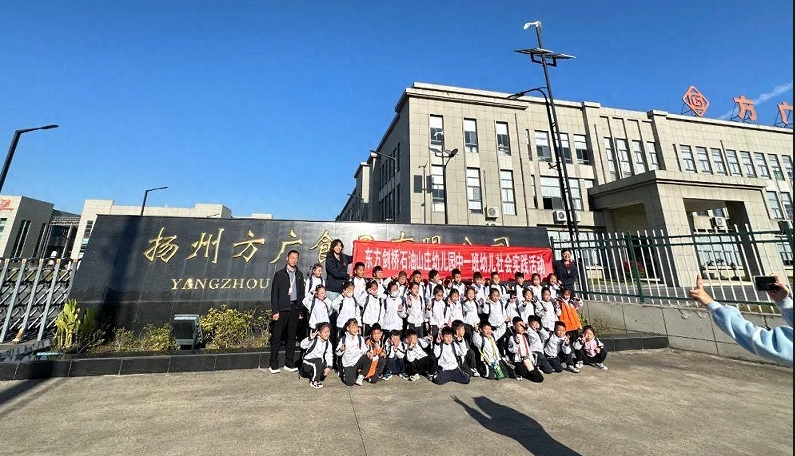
(374, 154)
(13, 148)
(146, 195)
(446, 156)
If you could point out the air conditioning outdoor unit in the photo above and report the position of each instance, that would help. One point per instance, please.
(718, 222)
(560, 216)
(492, 212)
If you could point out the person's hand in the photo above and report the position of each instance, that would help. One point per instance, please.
(699, 294)
(400, 308)
(782, 292)
(312, 334)
(597, 350)
(476, 328)
(275, 316)
(326, 372)
(342, 348)
(300, 316)
(566, 340)
(369, 354)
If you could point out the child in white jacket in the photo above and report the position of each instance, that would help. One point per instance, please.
(318, 355)
(414, 311)
(352, 350)
(318, 307)
(545, 309)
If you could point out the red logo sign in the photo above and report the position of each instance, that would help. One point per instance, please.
(745, 108)
(408, 256)
(5, 205)
(696, 101)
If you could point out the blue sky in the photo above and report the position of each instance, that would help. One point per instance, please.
(269, 106)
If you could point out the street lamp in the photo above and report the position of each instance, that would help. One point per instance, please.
(146, 194)
(13, 148)
(448, 155)
(374, 154)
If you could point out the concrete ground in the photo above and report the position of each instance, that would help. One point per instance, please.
(652, 402)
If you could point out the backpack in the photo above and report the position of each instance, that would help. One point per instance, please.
(367, 302)
(314, 343)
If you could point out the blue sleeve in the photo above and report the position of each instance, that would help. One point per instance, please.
(773, 344)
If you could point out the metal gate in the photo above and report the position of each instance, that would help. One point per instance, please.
(32, 294)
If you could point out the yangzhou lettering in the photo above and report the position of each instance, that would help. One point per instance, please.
(228, 283)
(161, 247)
(206, 242)
(250, 247)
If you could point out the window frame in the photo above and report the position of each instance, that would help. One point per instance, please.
(471, 147)
(507, 195)
(479, 187)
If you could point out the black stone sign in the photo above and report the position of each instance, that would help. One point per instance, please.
(139, 270)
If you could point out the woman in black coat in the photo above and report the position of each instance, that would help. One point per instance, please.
(336, 269)
(566, 270)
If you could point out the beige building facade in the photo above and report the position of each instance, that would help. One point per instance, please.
(23, 225)
(628, 170)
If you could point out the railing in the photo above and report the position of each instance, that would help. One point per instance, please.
(32, 294)
(653, 267)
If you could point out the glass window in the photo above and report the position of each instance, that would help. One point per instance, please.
(503, 142)
(719, 212)
(576, 194)
(565, 147)
(3, 222)
(786, 201)
(688, 164)
(533, 190)
(471, 135)
(474, 195)
(775, 166)
(611, 162)
(787, 165)
(543, 151)
(651, 151)
(734, 163)
(772, 203)
(717, 158)
(22, 236)
(748, 163)
(550, 193)
(527, 143)
(506, 190)
(703, 160)
(437, 132)
(397, 200)
(581, 150)
(623, 156)
(640, 162)
(437, 188)
(761, 165)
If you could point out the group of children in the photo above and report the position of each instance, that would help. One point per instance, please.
(445, 330)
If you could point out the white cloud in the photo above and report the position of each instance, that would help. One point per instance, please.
(777, 90)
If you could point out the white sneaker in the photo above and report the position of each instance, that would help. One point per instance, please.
(359, 380)
(414, 377)
(573, 369)
(600, 366)
(578, 364)
(316, 385)
(273, 371)
(475, 373)
(290, 369)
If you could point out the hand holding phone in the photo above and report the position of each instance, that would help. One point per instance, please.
(766, 283)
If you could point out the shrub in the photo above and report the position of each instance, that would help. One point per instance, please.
(124, 340)
(157, 338)
(227, 328)
(76, 332)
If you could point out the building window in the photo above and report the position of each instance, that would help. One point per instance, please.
(787, 165)
(651, 151)
(761, 165)
(581, 150)
(437, 132)
(576, 194)
(773, 204)
(703, 160)
(786, 201)
(688, 164)
(747, 163)
(586, 184)
(397, 200)
(397, 157)
(640, 163)
(506, 190)
(471, 135)
(533, 190)
(720, 165)
(565, 148)
(611, 163)
(437, 188)
(474, 194)
(719, 212)
(550, 193)
(503, 142)
(528, 145)
(3, 222)
(775, 166)
(542, 147)
(734, 163)
(22, 236)
(623, 156)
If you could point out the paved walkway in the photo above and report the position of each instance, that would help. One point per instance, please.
(648, 403)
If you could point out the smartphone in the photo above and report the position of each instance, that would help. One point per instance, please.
(765, 283)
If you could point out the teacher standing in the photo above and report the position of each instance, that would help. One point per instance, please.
(287, 294)
(336, 269)
(566, 270)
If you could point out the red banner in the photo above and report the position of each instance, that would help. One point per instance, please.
(408, 256)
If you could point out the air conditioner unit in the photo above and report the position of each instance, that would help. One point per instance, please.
(492, 212)
(491, 224)
(560, 216)
(718, 222)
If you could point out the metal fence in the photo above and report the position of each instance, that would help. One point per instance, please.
(653, 267)
(32, 294)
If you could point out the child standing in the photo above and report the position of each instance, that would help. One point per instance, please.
(417, 360)
(590, 350)
(524, 357)
(447, 361)
(490, 366)
(434, 281)
(346, 307)
(393, 305)
(495, 284)
(566, 308)
(315, 279)
(526, 307)
(457, 283)
(318, 355)
(453, 309)
(497, 316)
(319, 307)
(536, 285)
(519, 285)
(435, 311)
(545, 309)
(558, 350)
(371, 307)
(359, 282)
(414, 311)
(553, 285)
(470, 309)
(378, 277)
(538, 337)
(352, 351)
(376, 352)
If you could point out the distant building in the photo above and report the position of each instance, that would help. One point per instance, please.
(23, 226)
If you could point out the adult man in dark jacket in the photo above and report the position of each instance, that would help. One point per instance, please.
(287, 294)
(566, 270)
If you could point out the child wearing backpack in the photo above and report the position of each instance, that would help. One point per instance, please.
(316, 365)
(434, 313)
(417, 360)
(376, 349)
(523, 348)
(490, 365)
(352, 350)
(414, 311)
(545, 309)
(346, 307)
(315, 278)
(393, 306)
(394, 352)
(566, 309)
(318, 307)
(463, 348)
(447, 360)
(371, 307)
(471, 316)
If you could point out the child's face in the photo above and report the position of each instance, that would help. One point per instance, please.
(520, 280)
(379, 275)
(567, 295)
(519, 327)
(321, 294)
(359, 271)
(324, 333)
(588, 335)
(412, 339)
(435, 278)
(438, 295)
(553, 279)
(453, 298)
(395, 340)
(495, 296)
(447, 338)
(353, 328)
(471, 294)
(535, 325)
(460, 331)
(560, 331)
(376, 335)
(528, 295)
(457, 278)
(373, 290)
(479, 281)
(495, 279)
(416, 277)
(546, 296)
(317, 272)
(415, 291)
(486, 330)
(536, 280)
(348, 292)
(402, 280)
